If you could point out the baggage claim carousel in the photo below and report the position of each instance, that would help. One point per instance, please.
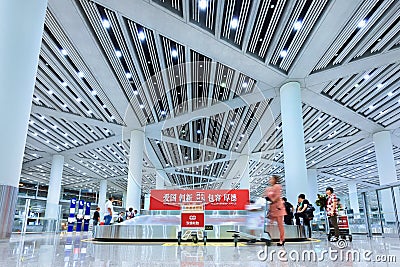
(159, 228)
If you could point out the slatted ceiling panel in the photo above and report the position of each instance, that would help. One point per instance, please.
(384, 38)
(234, 21)
(98, 103)
(316, 154)
(169, 132)
(118, 58)
(214, 129)
(234, 116)
(249, 124)
(268, 16)
(245, 85)
(222, 85)
(373, 94)
(203, 16)
(174, 56)
(272, 138)
(201, 80)
(350, 38)
(174, 6)
(303, 19)
(146, 51)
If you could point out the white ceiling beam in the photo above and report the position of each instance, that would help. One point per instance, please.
(335, 17)
(312, 97)
(76, 28)
(326, 142)
(58, 114)
(342, 154)
(354, 67)
(346, 180)
(175, 29)
(208, 111)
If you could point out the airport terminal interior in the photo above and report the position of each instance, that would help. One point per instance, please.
(182, 110)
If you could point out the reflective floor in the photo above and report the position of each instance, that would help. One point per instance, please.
(79, 250)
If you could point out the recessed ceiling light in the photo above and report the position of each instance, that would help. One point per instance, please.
(141, 36)
(245, 84)
(106, 23)
(203, 4)
(366, 76)
(390, 94)
(118, 53)
(81, 74)
(163, 112)
(371, 107)
(128, 75)
(78, 100)
(234, 23)
(64, 84)
(141, 106)
(64, 52)
(356, 85)
(174, 53)
(50, 92)
(93, 92)
(135, 92)
(297, 25)
(283, 53)
(362, 23)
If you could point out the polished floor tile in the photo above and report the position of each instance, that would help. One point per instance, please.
(79, 250)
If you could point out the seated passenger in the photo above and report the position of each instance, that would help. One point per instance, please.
(301, 212)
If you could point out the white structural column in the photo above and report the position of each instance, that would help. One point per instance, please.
(243, 164)
(124, 200)
(293, 141)
(102, 197)
(312, 192)
(159, 180)
(353, 197)
(53, 194)
(21, 29)
(386, 171)
(135, 169)
(384, 157)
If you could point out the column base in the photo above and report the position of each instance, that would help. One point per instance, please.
(8, 201)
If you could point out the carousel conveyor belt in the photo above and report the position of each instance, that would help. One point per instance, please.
(166, 227)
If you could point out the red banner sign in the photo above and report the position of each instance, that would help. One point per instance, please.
(343, 222)
(192, 219)
(213, 199)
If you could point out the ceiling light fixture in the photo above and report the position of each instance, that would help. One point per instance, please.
(283, 53)
(362, 23)
(234, 23)
(106, 23)
(118, 53)
(203, 4)
(64, 52)
(128, 75)
(366, 76)
(245, 84)
(141, 36)
(297, 25)
(174, 53)
(81, 74)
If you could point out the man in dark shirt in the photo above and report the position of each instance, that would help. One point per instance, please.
(96, 216)
(288, 218)
(301, 212)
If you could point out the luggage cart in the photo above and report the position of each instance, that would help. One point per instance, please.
(257, 219)
(343, 223)
(192, 223)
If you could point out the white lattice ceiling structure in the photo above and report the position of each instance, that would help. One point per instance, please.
(203, 78)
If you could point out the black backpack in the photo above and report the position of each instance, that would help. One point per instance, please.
(310, 210)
